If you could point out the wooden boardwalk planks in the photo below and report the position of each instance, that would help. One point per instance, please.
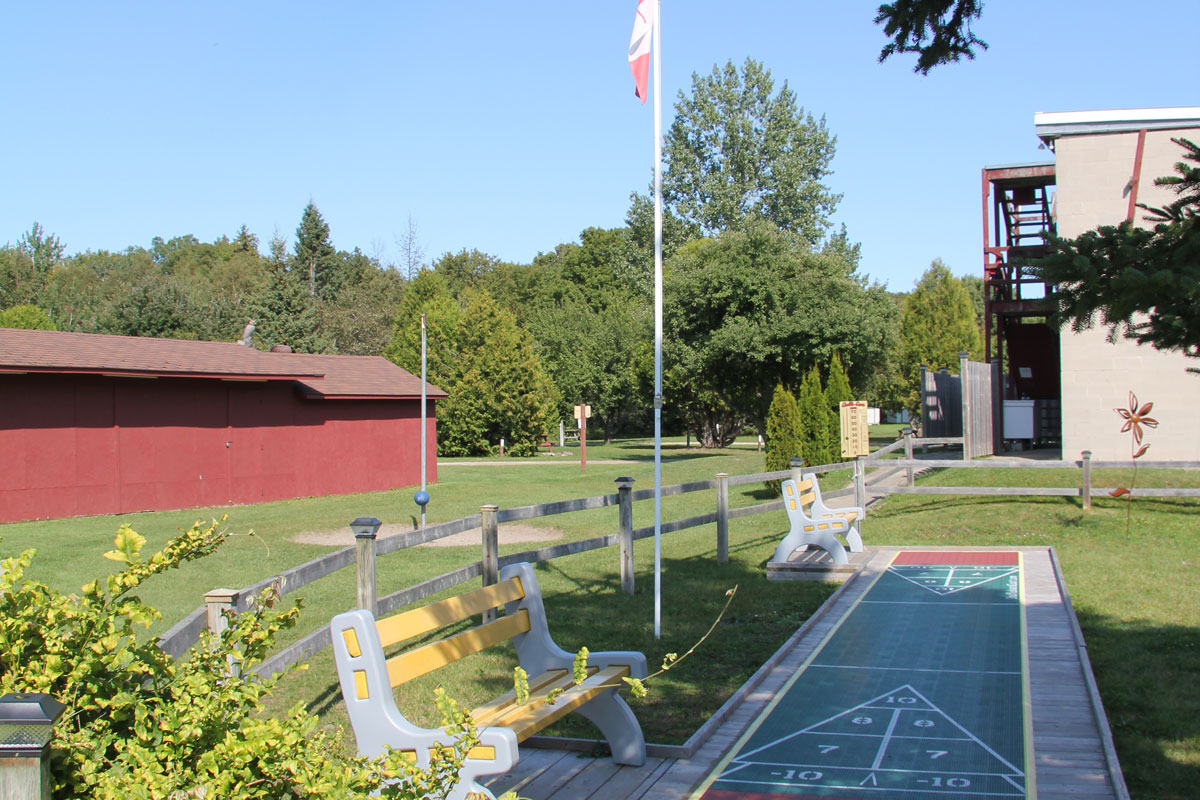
(1073, 751)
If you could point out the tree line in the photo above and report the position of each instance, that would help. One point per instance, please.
(760, 291)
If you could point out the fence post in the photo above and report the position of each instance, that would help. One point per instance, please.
(860, 482)
(489, 528)
(722, 518)
(218, 603)
(365, 532)
(797, 464)
(26, 724)
(625, 532)
(1085, 491)
(908, 453)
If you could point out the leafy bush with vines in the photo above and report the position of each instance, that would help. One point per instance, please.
(141, 724)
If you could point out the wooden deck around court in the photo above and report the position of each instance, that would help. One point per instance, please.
(1073, 749)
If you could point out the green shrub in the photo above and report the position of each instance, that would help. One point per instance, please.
(820, 425)
(140, 724)
(784, 433)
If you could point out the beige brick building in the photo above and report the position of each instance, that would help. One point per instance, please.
(1101, 159)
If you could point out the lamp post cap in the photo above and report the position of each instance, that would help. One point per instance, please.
(365, 526)
(29, 708)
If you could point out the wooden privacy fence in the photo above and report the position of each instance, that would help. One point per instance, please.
(962, 407)
(368, 547)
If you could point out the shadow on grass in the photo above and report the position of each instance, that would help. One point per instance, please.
(913, 505)
(1149, 677)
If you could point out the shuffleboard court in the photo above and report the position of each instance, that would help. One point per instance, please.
(920, 692)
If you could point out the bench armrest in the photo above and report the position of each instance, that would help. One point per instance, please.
(620, 658)
(537, 651)
(378, 724)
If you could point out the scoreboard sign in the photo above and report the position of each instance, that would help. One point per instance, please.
(855, 441)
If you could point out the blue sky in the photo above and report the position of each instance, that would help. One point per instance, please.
(511, 127)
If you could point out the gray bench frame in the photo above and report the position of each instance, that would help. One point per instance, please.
(366, 679)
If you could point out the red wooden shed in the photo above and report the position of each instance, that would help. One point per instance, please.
(95, 424)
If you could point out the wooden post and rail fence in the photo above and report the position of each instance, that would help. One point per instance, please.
(368, 547)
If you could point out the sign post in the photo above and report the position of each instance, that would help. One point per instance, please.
(582, 412)
(856, 443)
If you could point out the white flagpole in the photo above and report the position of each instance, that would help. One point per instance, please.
(658, 319)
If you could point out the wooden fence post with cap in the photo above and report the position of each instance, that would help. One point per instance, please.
(1085, 491)
(625, 532)
(722, 518)
(218, 604)
(908, 452)
(366, 531)
(490, 534)
(26, 725)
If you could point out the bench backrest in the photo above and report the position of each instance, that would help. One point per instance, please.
(429, 657)
(798, 496)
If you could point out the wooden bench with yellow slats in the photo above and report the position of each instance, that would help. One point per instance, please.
(813, 524)
(367, 678)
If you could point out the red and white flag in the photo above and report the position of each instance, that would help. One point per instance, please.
(639, 47)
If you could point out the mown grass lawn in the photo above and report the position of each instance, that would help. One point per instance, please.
(1135, 593)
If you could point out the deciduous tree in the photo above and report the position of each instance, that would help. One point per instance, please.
(754, 308)
(598, 351)
(737, 149)
(26, 317)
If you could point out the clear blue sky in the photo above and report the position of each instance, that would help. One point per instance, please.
(510, 127)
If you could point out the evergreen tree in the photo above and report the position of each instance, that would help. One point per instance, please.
(314, 253)
(1143, 284)
(817, 420)
(939, 31)
(936, 324)
(427, 295)
(245, 241)
(837, 388)
(285, 313)
(501, 392)
(785, 433)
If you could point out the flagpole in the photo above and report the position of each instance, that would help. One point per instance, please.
(658, 318)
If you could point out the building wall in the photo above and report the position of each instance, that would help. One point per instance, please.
(75, 445)
(1093, 175)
